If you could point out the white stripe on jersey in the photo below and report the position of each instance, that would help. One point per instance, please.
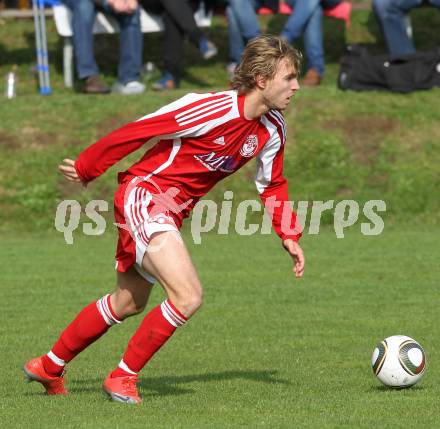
(204, 106)
(266, 156)
(185, 101)
(218, 108)
(278, 117)
(200, 128)
(177, 143)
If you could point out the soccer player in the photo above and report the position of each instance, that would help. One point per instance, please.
(199, 140)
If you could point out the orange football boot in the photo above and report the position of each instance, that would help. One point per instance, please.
(122, 389)
(34, 371)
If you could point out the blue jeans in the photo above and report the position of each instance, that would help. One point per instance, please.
(130, 41)
(392, 15)
(242, 25)
(306, 21)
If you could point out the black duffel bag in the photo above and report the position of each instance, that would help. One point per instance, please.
(361, 71)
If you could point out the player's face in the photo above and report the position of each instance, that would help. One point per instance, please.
(280, 89)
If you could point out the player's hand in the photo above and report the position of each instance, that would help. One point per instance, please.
(297, 255)
(68, 170)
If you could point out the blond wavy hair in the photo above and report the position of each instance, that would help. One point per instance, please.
(261, 58)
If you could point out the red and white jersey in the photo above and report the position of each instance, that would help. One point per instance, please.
(200, 139)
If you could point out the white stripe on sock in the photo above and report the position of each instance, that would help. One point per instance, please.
(106, 307)
(171, 315)
(55, 359)
(168, 316)
(176, 316)
(125, 368)
(103, 308)
(103, 314)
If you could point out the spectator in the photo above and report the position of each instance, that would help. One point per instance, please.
(130, 49)
(306, 21)
(393, 17)
(178, 17)
(242, 26)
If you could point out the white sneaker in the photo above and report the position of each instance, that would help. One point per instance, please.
(130, 88)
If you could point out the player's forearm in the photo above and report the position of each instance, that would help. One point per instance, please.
(286, 224)
(277, 205)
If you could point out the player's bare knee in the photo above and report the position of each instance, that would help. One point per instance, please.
(124, 305)
(188, 301)
(196, 300)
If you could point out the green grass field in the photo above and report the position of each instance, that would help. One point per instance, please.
(265, 350)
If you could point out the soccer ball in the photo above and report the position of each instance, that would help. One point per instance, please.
(398, 361)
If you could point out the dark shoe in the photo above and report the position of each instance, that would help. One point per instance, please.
(312, 78)
(166, 82)
(94, 85)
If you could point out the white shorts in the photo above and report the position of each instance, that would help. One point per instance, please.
(138, 219)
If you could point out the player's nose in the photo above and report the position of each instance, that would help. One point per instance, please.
(295, 85)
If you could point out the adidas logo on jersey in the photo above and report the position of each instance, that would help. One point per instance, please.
(220, 141)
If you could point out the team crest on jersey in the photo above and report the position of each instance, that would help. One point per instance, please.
(250, 146)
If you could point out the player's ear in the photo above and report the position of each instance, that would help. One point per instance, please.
(260, 81)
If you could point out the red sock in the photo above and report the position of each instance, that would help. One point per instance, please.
(91, 323)
(158, 325)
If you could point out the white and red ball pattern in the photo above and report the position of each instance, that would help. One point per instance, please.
(398, 361)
